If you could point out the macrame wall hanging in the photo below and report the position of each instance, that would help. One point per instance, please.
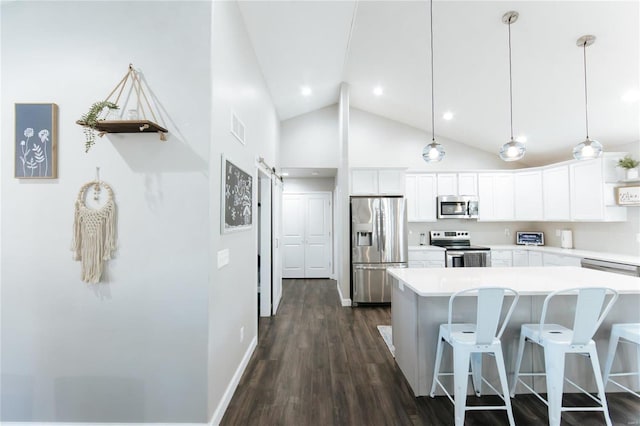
(94, 231)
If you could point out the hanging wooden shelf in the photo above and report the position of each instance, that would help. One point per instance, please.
(126, 126)
(110, 104)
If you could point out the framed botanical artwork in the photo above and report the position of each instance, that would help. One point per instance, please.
(237, 198)
(36, 141)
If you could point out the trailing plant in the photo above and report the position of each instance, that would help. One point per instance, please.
(628, 163)
(90, 120)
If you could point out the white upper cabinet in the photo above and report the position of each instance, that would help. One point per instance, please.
(556, 193)
(467, 184)
(528, 195)
(377, 182)
(592, 185)
(496, 196)
(457, 184)
(391, 182)
(421, 197)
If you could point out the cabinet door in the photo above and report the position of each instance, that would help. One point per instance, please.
(426, 201)
(390, 182)
(520, 258)
(535, 258)
(447, 184)
(495, 194)
(528, 195)
(364, 182)
(587, 202)
(467, 184)
(556, 194)
(411, 195)
(503, 197)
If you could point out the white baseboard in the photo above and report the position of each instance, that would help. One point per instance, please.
(345, 302)
(231, 388)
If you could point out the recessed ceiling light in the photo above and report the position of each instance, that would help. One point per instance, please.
(631, 96)
(378, 91)
(285, 173)
(305, 90)
(447, 115)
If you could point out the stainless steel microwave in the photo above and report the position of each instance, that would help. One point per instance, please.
(457, 207)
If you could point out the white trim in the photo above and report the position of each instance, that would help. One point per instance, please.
(233, 384)
(345, 302)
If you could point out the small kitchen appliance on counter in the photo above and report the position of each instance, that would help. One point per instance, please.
(566, 238)
(459, 252)
(530, 238)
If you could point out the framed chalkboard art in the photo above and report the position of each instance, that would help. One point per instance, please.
(237, 198)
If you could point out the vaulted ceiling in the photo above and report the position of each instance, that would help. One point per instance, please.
(320, 44)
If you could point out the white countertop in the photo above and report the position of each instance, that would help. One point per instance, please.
(426, 248)
(528, 280)
(611, 257)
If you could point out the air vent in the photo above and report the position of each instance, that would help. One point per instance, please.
(237, 128)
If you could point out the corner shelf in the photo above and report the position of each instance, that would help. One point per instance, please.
(126, 126)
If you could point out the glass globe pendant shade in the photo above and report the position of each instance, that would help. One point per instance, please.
(512, 151)
(587, 150)
(433, 152)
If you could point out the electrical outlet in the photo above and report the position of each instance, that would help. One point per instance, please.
(507, 232)
(558, 233)
(223, 258)
(241, 334)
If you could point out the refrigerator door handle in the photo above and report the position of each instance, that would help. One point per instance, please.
(378, 227)
(382, 234)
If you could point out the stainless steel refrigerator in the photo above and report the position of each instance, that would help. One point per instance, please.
(378, 241)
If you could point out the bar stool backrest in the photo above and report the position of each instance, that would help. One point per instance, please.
(489, 308)
(589, 310)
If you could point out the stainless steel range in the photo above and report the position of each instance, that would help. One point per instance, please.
(459, 251)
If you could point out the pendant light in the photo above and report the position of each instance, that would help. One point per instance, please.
(434, 152)
(512, 150)
(587, 149)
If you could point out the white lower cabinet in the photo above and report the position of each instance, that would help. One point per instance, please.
(501, 258)
(426, 259)
(520, 258)
(551, 259)
(535, 258)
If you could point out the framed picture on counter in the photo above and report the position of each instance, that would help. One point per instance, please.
(628, 195)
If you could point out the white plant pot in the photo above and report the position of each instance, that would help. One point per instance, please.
(632, 174)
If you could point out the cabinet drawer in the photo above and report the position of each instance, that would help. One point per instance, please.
(501, 255)
(426, 255)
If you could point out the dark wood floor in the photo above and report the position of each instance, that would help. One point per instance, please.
(318, 363)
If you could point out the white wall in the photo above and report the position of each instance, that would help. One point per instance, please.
(375, 141)
(311, 140)
(308, 184)
(237, 85)
(133, 348)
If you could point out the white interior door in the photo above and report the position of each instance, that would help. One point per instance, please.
(317, 259)
(293, 210)
(306, 235)
(276, 245)
(265, 245)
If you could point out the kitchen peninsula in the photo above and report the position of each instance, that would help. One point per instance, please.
(419, 304)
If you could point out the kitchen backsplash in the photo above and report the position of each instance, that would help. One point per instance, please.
(602, 237)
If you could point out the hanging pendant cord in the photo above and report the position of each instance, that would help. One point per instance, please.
(586, 109)
(433, 130)
(510, 84)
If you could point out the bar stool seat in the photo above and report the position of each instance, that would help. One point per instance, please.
(558, 340)
(469, 341)
(629, 333)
